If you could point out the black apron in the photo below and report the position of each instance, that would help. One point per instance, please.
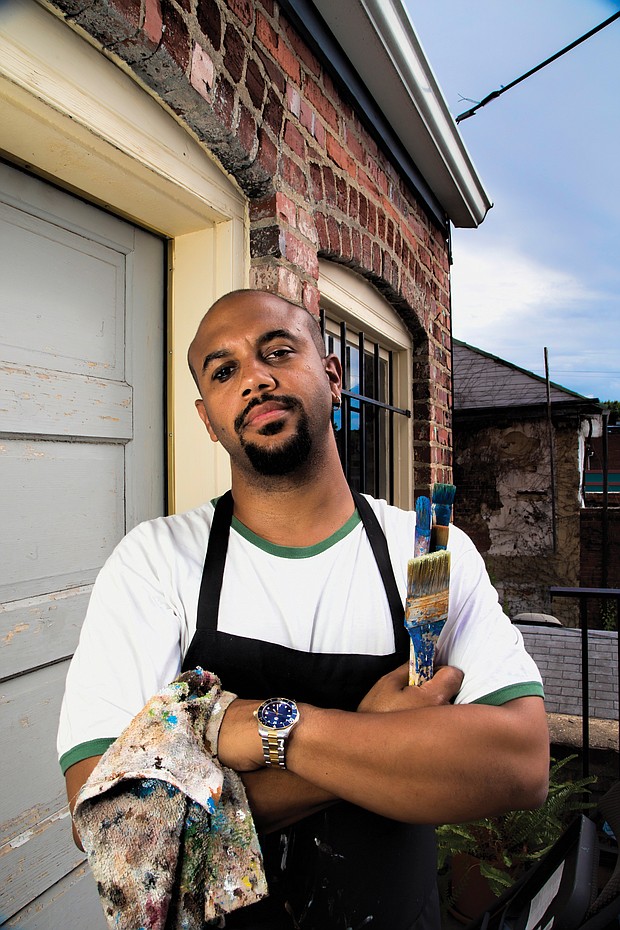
(343, 868)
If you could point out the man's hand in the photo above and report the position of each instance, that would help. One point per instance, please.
(392, 692)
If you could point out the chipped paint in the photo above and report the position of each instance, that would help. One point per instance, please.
(18, 628)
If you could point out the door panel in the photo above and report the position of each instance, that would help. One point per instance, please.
(82, 443)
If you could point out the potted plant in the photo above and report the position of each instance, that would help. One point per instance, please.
(486, 856)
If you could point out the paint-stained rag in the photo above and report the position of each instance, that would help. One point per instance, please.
(168, 830)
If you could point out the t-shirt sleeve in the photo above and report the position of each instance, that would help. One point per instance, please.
(129, 647)
(479, 638)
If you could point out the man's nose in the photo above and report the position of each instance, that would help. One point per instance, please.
(257, 377)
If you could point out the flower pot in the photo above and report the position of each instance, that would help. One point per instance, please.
(471, 892)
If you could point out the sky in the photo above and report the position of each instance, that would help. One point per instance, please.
(543, 269)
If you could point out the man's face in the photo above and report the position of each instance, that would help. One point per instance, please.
(266, 391)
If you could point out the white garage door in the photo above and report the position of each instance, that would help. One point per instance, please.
(81, 461)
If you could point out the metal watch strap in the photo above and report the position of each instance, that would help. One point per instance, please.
(273, 749)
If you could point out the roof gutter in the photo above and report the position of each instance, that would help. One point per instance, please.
(380, 42)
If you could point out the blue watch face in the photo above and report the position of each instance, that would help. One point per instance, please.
(278, 713)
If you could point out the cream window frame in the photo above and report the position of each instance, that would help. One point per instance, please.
(347, 297)
(73, 116)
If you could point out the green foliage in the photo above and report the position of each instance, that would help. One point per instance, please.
(509, 844)
(609, 616)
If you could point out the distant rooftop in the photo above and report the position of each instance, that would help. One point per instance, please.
(483, 381)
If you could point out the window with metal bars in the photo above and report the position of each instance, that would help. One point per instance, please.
(365, 423)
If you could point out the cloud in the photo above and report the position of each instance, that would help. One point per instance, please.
(513, 305)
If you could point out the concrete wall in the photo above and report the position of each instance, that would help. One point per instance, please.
(557, 652)
(503, 478)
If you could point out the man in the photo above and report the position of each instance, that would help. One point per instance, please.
(298, 598)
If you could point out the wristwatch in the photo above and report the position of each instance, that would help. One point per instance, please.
(276, 718)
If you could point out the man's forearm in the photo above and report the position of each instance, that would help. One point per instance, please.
(279, 798)
(428, 765)
(441, 764)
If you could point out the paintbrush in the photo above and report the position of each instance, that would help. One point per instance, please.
(443, 498)
(422, 538)
(426, 610)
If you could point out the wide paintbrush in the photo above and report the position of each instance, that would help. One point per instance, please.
(443, 499)
(426, 610)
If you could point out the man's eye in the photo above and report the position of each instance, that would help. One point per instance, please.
(222, 373)
(281, 352)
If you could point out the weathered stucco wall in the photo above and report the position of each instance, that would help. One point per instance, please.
(503, 477)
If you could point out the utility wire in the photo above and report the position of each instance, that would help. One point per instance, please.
(497, 93)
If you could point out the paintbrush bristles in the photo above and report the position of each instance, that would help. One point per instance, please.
(444, 494)
(423, 519)
(428, 574)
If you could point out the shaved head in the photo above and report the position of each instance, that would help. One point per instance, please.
(244, 294)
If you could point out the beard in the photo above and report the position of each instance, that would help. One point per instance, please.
(286, 458)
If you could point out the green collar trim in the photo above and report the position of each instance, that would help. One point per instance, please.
(296, 552)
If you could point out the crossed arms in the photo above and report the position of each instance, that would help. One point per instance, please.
(408, 754)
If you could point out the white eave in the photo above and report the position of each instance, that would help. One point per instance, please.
(379, 39)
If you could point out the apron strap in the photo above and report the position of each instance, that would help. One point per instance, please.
(215, 562)
(378, 544)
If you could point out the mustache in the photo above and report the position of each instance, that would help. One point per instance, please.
(287, 402)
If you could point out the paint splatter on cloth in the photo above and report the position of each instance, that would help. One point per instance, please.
(168, 831)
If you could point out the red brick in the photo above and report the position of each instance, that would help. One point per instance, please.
(368, 183)
(294, 139)
(262, 209)
(366, 252)
(246, 130)
(354, 200)
(293, 100)
(294, 175)
(320, 133)
(342, 192)
(321, 229)
(273, 115)
(306, 225)
(285, 208)
(381, 222)
(286, 58)
(153, 21)
(224, 101)
(345, 239)
(320, 103)
(307, 116)
(202, 72)
(243, 9)
(267, 156)
(354, 145)
(372, 218)
(289, 285)
(311, 297)
(175, 37)
(316, 179)
(376, 258)
(300, 49)
(266, 34)
(234, 53)
(329, 183)
(339, 155)
(356, 246)
(363, 212)
(300, 253)
(333, 231)
(255, 83)
(273, 72)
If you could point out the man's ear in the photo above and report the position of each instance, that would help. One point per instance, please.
(202, 413)
(333, 370)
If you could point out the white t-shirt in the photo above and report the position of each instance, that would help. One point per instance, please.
(324, 598)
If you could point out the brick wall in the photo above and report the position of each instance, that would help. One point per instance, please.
(253, 93)
(557, 652)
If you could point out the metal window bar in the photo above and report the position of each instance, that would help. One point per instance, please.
(369, 409)
(583, 594)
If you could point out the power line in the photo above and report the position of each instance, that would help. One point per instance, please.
(497, 93)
